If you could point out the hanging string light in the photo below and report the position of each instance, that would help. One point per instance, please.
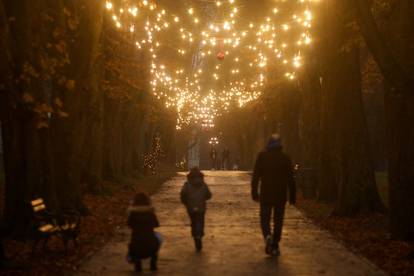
(273, 43)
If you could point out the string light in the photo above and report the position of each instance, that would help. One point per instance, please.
(275, 40)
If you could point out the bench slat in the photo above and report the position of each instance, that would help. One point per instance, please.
(69, 226)
(48, 228)
(37, 202)
(39, 208)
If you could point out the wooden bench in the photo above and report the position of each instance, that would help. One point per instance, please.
(65, 225)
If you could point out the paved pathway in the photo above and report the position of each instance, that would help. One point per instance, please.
(233, 244)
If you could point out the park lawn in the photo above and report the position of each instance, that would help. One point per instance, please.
(108, 215)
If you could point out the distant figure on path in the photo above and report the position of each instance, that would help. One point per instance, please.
(194, 195)
(145, 242)
(273, 170)
(213, 156)
(225, 158)
(236, 164)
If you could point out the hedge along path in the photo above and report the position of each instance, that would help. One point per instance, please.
(233, 244)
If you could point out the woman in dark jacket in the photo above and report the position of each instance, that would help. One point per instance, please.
(194, 195)
(145, 242)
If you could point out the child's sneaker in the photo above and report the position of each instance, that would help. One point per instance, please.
(269, 245)
(153, 266)
(154, 263)
(138, 266)
(275, 250)
(129, 259)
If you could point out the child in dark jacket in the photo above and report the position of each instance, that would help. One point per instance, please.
(145, 242)
(194, 195)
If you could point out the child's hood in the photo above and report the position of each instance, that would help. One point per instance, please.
(140, 209)
(196, 181)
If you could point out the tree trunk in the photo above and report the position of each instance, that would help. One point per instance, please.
(329, 45)
(395, 59)
(26, 156)
(400, 140)
(112, 140)
(290, 105)
(344, 129)
(310, 131)
(400, 118)
(93, 171)
(311, 96)
(357, 191)
(71, 153)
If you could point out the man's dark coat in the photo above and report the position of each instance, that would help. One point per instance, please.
(273, 169)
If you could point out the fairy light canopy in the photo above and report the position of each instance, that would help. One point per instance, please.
(209, 56)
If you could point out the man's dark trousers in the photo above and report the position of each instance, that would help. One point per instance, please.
(266, 212)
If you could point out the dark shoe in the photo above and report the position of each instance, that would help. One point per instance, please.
(198, 244)
(138, 266)
(275, 250)
(154, 263)
(154, 267)
(129, 259)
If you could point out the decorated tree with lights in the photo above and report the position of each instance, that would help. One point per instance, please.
(152, 158)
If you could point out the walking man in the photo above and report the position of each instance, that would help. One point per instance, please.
(272, 178)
